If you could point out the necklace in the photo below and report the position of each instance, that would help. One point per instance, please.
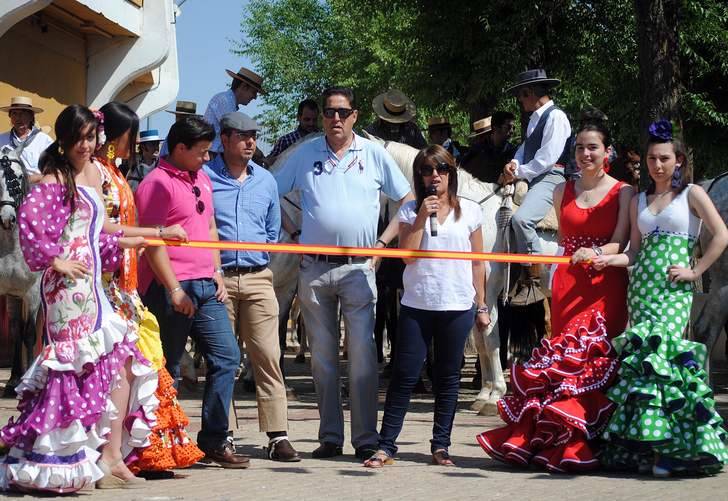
(659, 195)
(587, 194)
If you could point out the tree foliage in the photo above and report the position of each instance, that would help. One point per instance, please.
(455, 58)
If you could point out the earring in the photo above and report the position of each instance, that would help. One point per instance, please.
(60, 150)
(676, 178)
(111, 152)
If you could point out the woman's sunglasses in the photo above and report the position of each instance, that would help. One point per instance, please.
(344, 113)
(442, 169)
(200, 204)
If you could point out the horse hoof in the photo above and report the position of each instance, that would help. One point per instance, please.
(488, 409)
(477, 405)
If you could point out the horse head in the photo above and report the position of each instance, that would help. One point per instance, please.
(13, 186)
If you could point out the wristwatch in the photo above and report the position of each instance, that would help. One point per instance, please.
(483, 309)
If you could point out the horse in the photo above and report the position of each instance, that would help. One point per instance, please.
(713, 316)
(16, 279)
(495, 201)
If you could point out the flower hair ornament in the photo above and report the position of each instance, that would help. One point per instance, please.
(100, 134)
(662, 130)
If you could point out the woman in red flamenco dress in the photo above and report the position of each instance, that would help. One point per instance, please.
(558, 403)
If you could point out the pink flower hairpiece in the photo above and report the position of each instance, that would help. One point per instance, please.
(100, 134)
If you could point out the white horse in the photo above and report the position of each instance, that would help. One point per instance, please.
(491, 198)
(713, 316)
(16, 279)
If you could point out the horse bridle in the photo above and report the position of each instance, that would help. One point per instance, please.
(16, 187)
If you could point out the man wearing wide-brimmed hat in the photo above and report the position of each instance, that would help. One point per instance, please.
(25, 134)
(440, 131)
(538, 162)
(396, 113)
(149, 151)
(245, 86)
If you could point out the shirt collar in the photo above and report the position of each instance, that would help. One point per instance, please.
(220, 167)
(188, 176)
(356, 144)
(231, 97)
(537, 114)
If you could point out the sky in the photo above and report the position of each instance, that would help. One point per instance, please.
(205, 29)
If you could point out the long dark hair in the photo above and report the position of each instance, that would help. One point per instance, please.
(119, 118)
(69, 125)
(440, 155)
(686, 170)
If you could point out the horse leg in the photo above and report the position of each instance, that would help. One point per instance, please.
(711, 319)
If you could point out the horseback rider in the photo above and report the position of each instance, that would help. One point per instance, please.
(539, 160)
(25, 134)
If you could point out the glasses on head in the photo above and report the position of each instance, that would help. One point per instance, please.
(442, 168)
(344, 113)
(200, 206)
(244, 135)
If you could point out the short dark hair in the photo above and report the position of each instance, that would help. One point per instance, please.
(307, 103)
(189, 131)
(501, 117)
(347, 92)
(236, 83)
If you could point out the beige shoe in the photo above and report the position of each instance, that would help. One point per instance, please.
(111, 481)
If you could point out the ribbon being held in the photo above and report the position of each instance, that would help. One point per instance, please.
(331, 250)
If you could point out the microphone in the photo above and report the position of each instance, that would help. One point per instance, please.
(432, 190)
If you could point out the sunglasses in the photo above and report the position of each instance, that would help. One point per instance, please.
(244, 135)
(441, 168)
(200, 206)
(344, 113)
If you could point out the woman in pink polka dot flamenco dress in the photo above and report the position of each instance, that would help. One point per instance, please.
(666, 421)
(558, 405)
(74, 399)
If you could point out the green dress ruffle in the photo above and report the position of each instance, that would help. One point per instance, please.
(664, 405)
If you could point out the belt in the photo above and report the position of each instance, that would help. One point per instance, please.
(338, 259)
(245, 269)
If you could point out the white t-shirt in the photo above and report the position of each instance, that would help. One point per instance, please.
(31, 154)
(442, 284)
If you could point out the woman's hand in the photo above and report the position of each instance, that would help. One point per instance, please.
(601, 262)
(583, 254)
(482, 321)
(681, 274)
(174, 232)
(132, 242)
(70, 268)
(430, 205)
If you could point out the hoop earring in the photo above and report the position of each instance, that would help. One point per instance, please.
(111, 152)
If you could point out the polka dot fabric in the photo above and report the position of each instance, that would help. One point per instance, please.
(664, 405)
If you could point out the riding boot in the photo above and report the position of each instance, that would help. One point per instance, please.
(528, 287)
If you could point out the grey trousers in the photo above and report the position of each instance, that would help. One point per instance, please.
(321, 286)
(536, 204)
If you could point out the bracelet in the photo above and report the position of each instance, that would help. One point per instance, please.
(483, 309)
(597, 250)
(178, 288)
(219, 270)
(380, 241)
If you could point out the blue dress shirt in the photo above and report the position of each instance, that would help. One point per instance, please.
(245, 212)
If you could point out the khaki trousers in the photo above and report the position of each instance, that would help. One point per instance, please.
(253, 310)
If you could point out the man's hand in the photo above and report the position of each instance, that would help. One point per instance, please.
(221, 293)
(182, 303)
(509, 173)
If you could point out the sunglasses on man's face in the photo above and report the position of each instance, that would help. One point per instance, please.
(200, 206)
(344, 113)
(244, 135)
(441, 168)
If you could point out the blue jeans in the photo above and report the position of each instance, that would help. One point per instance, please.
(538, 201)
(321, 287)
(417, 328)
(210, 328)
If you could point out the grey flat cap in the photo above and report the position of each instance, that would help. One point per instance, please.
(238, 121)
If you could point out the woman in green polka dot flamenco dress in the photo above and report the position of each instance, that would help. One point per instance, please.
(666, 420)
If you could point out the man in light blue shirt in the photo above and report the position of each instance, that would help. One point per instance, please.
(340, 177)
(247, 209)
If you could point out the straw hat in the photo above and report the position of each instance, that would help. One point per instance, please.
(184, 108)
(393, 106)
(21, 103)
(249, 77)
(438, 123)
(532, 77)
(481, 126)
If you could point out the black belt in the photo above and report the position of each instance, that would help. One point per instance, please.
(338, 259)
(245, 269)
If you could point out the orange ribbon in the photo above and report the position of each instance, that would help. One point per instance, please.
(331, 250)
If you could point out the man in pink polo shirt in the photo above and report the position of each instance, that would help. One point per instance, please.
(183, 287)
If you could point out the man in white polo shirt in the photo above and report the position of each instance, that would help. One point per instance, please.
(340, 176)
